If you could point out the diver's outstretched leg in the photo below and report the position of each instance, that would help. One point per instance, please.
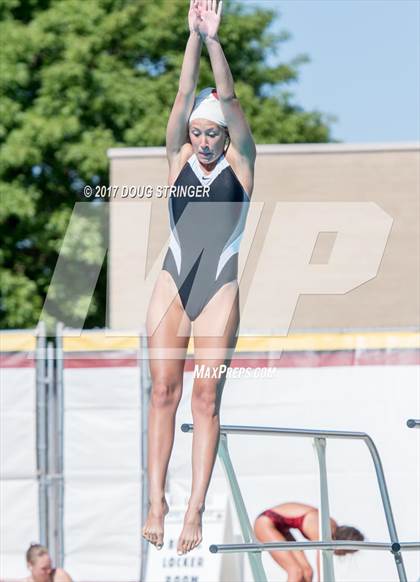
(210, 352)
(167, 358)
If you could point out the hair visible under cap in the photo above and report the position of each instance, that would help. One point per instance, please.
(35, 551)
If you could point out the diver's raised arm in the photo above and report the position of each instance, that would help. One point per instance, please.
(177, 128)
(210, 18)
(239, 131)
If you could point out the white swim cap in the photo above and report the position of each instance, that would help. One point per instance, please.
(207, 106)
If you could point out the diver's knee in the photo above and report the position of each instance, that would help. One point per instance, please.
(295, 574)
(204, 398)
(165, 393)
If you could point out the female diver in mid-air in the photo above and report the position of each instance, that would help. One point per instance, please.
(208, 143)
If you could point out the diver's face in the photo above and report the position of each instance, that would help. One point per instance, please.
(42, 568)
(207, 139)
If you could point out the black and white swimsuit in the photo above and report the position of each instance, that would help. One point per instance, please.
(206, 232)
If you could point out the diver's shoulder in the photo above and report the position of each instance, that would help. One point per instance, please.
(176, 163)
(242, 167)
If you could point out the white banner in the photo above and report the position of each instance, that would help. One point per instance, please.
(18, 484)
(198, 565)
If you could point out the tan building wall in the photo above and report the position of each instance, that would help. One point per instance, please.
(383, 236)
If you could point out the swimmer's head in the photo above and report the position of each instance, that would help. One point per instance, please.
(39, 562)
(347, 533)
(208, 140)
(207, 106)
(208, 131)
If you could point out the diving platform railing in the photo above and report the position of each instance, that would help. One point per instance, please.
(326, 545)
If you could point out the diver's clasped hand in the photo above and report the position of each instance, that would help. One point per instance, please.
(204, 17)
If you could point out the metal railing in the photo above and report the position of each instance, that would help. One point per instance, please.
(41, 431)
(289, 546)
(325, 545)
(49, 435)
(145, 390)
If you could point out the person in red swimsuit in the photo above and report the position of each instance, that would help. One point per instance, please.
(275, 524)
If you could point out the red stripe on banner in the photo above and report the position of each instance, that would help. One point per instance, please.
(17, 360)
(132, 362)
(405, 357)
(325, 359)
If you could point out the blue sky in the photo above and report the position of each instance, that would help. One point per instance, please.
(365, 63)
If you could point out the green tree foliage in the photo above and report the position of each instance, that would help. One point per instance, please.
(81, 76)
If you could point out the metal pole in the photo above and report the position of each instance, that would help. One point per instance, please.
(41, 432)
(59, 387)
(413, 423)
(145, 388)
(246, 528)
(291, 546)
(52, 515)
(274, 430)
(327, 565)
(387, 506)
